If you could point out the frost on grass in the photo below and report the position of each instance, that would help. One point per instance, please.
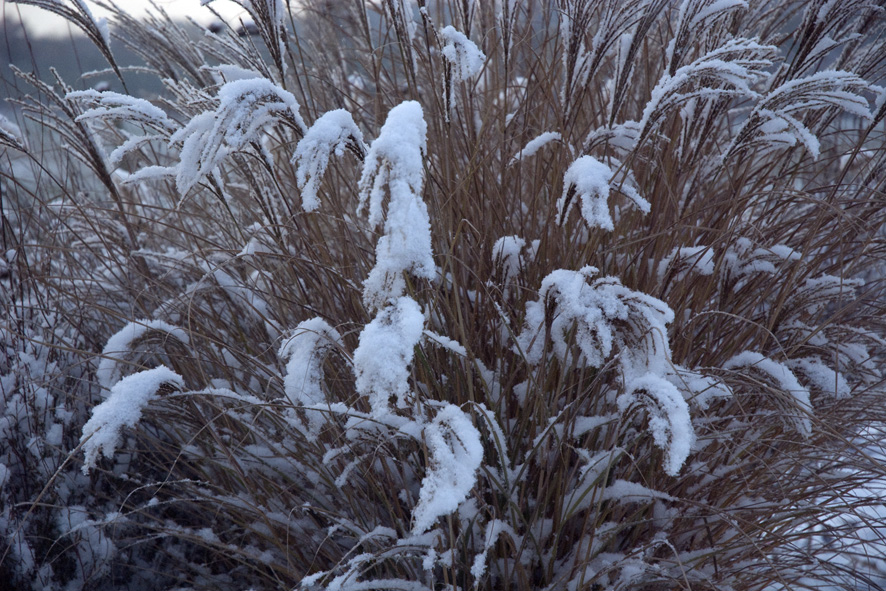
(455, 455)
(121, 343)
(800, 412)
(331, 133)
(123, 408)
(589, 178)
(394, 165)
(384, 354)
(306, 349)
(245, 108)
(726, 72)
(10, 134)
(777, 120)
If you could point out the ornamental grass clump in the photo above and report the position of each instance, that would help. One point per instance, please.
(451, 295)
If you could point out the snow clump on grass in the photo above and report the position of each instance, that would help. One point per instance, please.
(331, 133)
(306, 349)
(123, 408)
(590, 179)
(455, 455)
(381, 361)
(394, 162)
(120, 344)
(462, 54)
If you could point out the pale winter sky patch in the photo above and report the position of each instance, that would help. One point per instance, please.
(41, 23)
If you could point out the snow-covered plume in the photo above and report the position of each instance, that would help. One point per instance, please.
(745, 257)
(821, 376)
(464, 59)
(687, 259)
(534, 145)
(123, 408)
(506, 17)
(121, 344)
(776, 121)
(112, 106)
(115, 106)
(332, 133)
(800, 412)
(611, 22)
(700, 390)
(824, 25)
(606, 317)
(575, 20)
(455, 455)
(306, 349)
(275, 9)
(384, 354)
(602, 318)
(621, 137)
(401, 13)
(723, 73)
(694, 18)
(506, 256)
(77, 12)
(590, 179)
(668, 412)
(245, 108)
(268, 16)
(10, 134)
(394, 166)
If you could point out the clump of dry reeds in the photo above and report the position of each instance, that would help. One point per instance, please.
(512, 295)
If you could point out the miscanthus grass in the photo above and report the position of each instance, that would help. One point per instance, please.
(451, 295)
